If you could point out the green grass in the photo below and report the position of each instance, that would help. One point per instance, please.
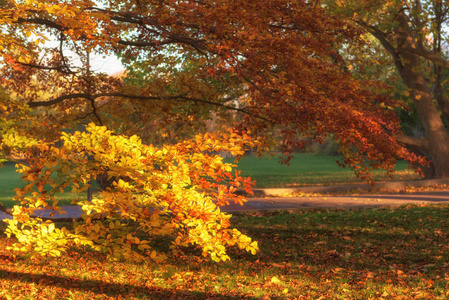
(399, 253)
(10, 179)
(304, 169)
(307, 169)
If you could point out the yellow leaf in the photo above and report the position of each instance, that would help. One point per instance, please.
(51, 227)
(275, 280)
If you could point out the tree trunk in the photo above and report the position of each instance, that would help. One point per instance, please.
(439, 153)
(428, 171)
(409, 64)
(436, 141)
(408, 30)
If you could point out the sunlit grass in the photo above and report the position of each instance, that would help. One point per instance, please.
(304, 169)
(385, 253)
(308, 169)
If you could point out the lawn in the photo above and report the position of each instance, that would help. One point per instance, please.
(10, 179)
(308, 169)
(399, 253)
(304, 169)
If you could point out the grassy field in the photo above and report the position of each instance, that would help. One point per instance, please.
(304, 169)
(307, 169)
(399, 253)
(10, 179)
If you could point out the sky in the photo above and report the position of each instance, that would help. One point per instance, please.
(110, 64)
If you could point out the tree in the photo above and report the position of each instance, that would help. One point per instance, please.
(168, 191)
(414, 35)
(272, 62)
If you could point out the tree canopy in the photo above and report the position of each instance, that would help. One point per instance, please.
(414, 35)
(269, 71)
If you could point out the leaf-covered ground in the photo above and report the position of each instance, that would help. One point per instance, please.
(399, 253)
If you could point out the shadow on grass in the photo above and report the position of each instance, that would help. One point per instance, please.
(350, 249)
(110, 289)
(412, 240)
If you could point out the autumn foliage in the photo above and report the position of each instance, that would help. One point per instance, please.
(408, 42)
(175, 190)
(274, 64)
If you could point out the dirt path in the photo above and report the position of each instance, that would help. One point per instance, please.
(356, 201)
(272, 203)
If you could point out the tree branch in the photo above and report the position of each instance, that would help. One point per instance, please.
(62, 68)
(435, 58)
(380, 36)
(179, 98)
(61, 52)
(6, 210)
(94, 110)
(411, 141)
(42, 21)
(135, 19)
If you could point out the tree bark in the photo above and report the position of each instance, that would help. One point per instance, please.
(413, 60)
(436, 141)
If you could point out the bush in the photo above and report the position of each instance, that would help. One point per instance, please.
(173, 190)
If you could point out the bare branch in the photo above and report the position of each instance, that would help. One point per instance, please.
(62, 68)
(94, 110)
(131, 18)
(58, 100)
(42, 21)
(61, 52)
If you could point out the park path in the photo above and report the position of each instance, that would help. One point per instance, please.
(348, 201)
(308, 202)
